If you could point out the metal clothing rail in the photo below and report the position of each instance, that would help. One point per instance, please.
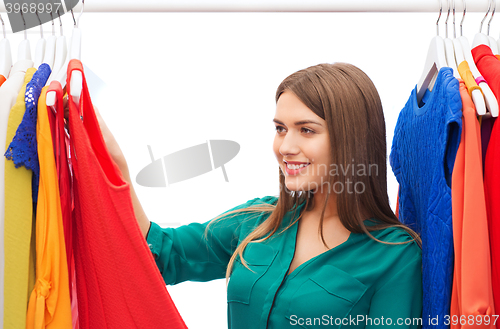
(272, 5)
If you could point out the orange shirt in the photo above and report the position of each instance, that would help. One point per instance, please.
(2, 79)
(472, 292)
(49, 305)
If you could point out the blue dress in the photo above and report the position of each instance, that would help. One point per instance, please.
(23, 148)
(424, 147)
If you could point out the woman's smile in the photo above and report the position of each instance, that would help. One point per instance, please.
(294, 169)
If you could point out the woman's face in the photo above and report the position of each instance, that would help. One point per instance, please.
(301, 139)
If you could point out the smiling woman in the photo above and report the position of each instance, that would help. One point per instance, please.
(329, 246)
(301, 144)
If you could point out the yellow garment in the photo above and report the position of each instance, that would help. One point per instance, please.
(468, 78)
(18, 225)
(49, 305)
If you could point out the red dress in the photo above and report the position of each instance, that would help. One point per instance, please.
(63, 173)
(61, 143)
(118, 282)
(489, 66)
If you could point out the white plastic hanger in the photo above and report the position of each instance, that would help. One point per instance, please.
(481, 38)
(449, 49)
(50, 48)
(40, 46)
(476, 95)
(459, 53)
(5, 54)
(76, 82)
(492, 40)
(76, 78)
(59, 60)
(493, 43)
(489, 97)
(24, 50)
(436, 59)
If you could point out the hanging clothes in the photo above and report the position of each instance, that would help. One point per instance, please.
(60, 144)
(467, 77)
(63, 174)
(486, 129)
(49, 305)
(2, 80)
(489, 66)
(472, 292)
(492, 194)
(23, 148)
(425, 143)
(111, 293)
(18, 230)
(471, 84)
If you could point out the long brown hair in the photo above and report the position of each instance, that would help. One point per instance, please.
(346, 98)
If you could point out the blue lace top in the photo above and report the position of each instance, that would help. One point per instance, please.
(424, 147)
(23, 148)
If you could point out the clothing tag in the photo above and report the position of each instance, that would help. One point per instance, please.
(95, 84)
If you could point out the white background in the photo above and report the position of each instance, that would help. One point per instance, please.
(175, 80)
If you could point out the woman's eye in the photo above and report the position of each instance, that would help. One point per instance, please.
(278, 129)
(308, 131)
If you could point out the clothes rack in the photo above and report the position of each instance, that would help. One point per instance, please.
(272, 6)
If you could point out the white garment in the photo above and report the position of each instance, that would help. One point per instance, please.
(8, 96)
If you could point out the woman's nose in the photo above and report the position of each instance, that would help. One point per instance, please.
(289, 146)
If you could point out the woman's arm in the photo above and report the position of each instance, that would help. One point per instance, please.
(119, 158)
(184, 253)
(399, 300)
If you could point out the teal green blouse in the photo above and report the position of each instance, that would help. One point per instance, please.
(360, 283)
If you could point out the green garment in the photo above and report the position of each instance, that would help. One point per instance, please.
(358, 284)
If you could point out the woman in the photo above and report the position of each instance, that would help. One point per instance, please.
(328, 251)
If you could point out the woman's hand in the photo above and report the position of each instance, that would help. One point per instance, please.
(117, 155)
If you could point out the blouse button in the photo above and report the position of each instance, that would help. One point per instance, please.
(151, 248)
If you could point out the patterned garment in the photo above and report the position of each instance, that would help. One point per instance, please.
(424, 147)
(23, 148)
